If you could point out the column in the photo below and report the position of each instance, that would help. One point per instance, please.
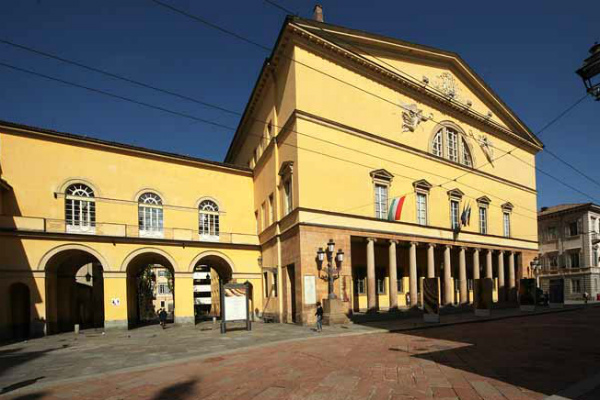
(448, 292)
(393, 275)
(511, 276)
(488, 264)
(501, 291)
(476, 264)
(412, 256)
(430, 260)
(184, 298)
(462, 276)
(371, 288)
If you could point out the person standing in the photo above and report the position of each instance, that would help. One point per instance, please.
(319, 314)
(162, 317)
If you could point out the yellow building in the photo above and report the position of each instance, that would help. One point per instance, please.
(340, 124)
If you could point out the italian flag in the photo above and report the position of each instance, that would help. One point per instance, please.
(396, 209)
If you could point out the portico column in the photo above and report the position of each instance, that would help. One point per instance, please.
(448, 292)
(501, 291)
(511, 271)
(462, 276)
(430, 260)
(412, 270)
(488, 264)
(475, 263)
(393, 274)
(371, 292)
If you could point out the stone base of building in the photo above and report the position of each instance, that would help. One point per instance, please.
(334, 312)
(185, 320)
(482, 312)
(434, 318)
(527, 308)
(116, 324)
(556, 305)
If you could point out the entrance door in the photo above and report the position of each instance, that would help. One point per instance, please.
(290, 298)
(20, 310)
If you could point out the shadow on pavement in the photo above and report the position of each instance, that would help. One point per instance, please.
(31, 396)
(20, 385)
(12, 358)
(180, 390)
(544, 355)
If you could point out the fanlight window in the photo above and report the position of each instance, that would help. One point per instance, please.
(80, 209)
(150, 215)
(208, 220)
(450, 144)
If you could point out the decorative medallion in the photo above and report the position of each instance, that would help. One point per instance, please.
(412, 117)
(446, 84)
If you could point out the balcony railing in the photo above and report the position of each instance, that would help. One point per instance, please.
(565, 270)
(49, 225)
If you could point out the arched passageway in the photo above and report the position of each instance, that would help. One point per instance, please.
(20, 310)
(74, 291)
(150, 287)
(208, 272)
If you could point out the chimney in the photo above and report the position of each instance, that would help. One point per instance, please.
(318, 13)
(544, 209)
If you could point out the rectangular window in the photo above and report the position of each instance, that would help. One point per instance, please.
(287, 188)
(421, 208)
(381, 201)
(400, 284)
(271, 209)
(553, 260)
(454, 214)
(361, 286)
(162, 304)
(573, 228)
(380, 286)
(595, 257)
(593, 225)
(266, 282)
(162, 273)
(163, 289)
(576, 285)
(506, 224)
(574, 258)
(274, 284)
(551, 233)
(437, 145)
(257, 222)
(483, 220)
(452, 145)
(263, 215)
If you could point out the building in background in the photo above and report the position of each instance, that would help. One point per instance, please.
(569, 248)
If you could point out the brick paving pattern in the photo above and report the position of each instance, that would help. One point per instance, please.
(515, 359)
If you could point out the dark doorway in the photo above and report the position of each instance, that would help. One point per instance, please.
(20, 310)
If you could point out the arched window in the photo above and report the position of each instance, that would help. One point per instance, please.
(150, 215)
(208, 220)
(80, 209)
(450, 144)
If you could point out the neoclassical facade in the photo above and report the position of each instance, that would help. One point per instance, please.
(397, 152)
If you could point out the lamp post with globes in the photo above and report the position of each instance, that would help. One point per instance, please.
(590, 71)
(332, 273)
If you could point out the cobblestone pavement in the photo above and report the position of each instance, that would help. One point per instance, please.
(516, 359)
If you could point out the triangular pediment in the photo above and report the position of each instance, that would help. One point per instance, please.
(382, 174)
(440, 74)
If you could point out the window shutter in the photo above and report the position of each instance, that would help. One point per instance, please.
(580, 226)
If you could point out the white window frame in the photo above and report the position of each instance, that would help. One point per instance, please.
(506, 223)
(150, 215)
(208, 220)
(288, 195)
(483, 218)
(381, 200)
(80, 209)
(271, 209)
(454, 217)
(452, 145)
(449, 143)
(422, 208)
(595, 256)
(437, 144)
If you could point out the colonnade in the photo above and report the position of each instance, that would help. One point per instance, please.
(446, 274)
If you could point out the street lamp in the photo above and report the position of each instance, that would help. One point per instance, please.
(332, 273)
(590, 70)
(536, 267)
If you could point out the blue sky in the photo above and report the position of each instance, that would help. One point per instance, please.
(526, 50)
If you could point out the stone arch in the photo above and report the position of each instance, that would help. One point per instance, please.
(43, 264)
(213, 253)
(146, 250)
(140, 192)
(461, 133)
(70, 181)
(213, 199)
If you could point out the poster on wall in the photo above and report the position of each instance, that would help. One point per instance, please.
(235, 304)
(310, 290)
(431, 300)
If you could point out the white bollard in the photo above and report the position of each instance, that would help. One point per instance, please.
(77, 329)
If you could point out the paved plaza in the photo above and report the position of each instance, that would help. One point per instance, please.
(512, 358)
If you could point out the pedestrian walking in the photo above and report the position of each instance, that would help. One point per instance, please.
(162, 317)
(586, 297)
(407, 299)
(319, 314)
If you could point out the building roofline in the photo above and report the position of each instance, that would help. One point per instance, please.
(121, 146)
(568, 210)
